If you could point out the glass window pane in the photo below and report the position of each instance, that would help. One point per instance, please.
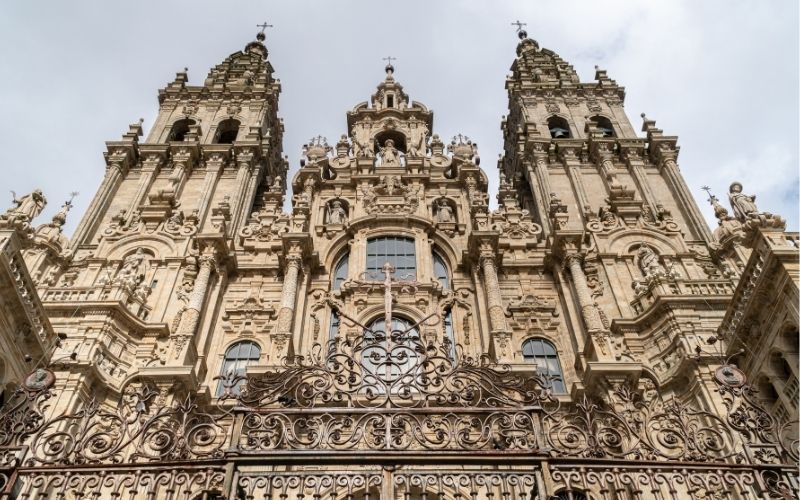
(544, 355)
(399, 252)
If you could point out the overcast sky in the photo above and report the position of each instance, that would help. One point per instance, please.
(721, 75)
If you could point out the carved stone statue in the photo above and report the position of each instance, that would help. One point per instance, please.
(277, 184)
(648, 261)
(336, 213)
(131, 269)
(362, 146)
(389, 155)
(444, 213)
(28, 206)
(742, 204)
(416, 144)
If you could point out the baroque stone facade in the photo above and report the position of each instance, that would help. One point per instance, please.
(392, 336)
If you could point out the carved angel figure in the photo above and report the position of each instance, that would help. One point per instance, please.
(742, 204)
(28, 206)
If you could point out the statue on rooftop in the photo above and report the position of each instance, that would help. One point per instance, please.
(28, 206)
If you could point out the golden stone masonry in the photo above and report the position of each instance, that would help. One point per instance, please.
(392, 336)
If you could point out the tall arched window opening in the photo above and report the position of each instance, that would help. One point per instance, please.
(544, 354)
(440, 271)
(390, 354)
(179, 130)
(604, 126)
(398, 251)
(340, 271)
(227, 131)
(237, 358)
(558, 127)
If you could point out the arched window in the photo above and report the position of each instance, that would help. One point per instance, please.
(227, 131)
(559, 128)
(340, 271)
(440, 271)
(179, 130)
(543, 353)
(604, 125)
(237, 358)
(390, 354)
(398, 251)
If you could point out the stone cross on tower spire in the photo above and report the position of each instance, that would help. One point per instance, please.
(520, 32)
(261, 36)
(389, 67)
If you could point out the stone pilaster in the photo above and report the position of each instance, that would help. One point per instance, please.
(115, 172)
(214, 165)
(538, 176)
(569, 157)
(667, 156)
(244, 163)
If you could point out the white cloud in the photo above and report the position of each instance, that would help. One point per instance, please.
(722, 75)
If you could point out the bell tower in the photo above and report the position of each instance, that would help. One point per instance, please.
(631, 255)
(155, 249)
(208, 151)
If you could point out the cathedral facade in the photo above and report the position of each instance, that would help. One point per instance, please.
(391, 336)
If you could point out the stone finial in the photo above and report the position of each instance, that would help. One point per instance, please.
(60, 218)
(649, 126)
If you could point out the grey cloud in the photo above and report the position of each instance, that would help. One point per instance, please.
(721, 75)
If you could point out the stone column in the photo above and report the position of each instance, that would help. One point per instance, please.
(497, 318)
(282, 335)
(183, 346)
(105, 193)
(591, 317)
(669, 168)
(498, 329)
(288, 294)
(191, 316)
